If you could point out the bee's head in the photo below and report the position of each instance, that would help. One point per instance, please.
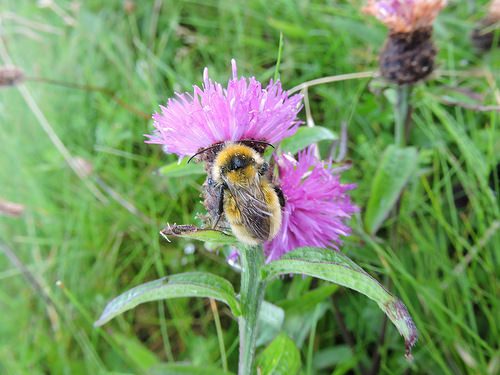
(237, 163)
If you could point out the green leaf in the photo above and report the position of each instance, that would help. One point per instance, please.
(269, 322)
(306, 136)
(335, 267)
(184, 369)
(194, 233)
(191, 284)
(394, 171)
(136, 350)
(182, 169)
(280, 357)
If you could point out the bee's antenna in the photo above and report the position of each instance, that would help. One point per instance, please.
(258, 142)
(204, 150)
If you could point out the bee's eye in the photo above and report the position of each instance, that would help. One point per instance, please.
(238, 162)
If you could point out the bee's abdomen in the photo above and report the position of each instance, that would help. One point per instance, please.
(244, 226)
(256, 220)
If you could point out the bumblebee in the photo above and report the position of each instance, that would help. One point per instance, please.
(250, 203)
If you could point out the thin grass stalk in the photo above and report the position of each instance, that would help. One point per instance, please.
(220, 334)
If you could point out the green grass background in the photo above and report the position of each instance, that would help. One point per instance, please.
(449, 211)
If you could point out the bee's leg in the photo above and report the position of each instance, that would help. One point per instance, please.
(220, 209)
(281, 196)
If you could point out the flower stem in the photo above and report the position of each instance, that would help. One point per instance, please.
(251, 296)
(401, 113)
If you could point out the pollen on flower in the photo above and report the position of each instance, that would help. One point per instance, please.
(243, 110)
(404, 16)
(317, 205)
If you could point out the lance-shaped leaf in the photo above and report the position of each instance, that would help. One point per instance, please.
(394, 171)
(191, 284)
(335, 267)
(194, 233)
(306, 136)
(182, 169)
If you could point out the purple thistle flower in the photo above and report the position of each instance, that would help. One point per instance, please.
(212, 114)
(317, 205)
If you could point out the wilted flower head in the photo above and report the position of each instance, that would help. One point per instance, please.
(317, 205)
(404, 16)
(213, 114)
(484, 34)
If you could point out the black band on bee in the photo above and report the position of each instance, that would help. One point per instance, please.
(281, 196)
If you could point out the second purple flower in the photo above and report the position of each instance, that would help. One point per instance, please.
(317, 205)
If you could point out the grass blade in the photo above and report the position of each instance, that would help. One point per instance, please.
(394, 171)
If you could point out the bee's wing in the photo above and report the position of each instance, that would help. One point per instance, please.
(254, 211)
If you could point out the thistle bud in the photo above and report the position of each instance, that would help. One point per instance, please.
(11, 209)
(10, 75)
(408, 57)
(409, 52)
